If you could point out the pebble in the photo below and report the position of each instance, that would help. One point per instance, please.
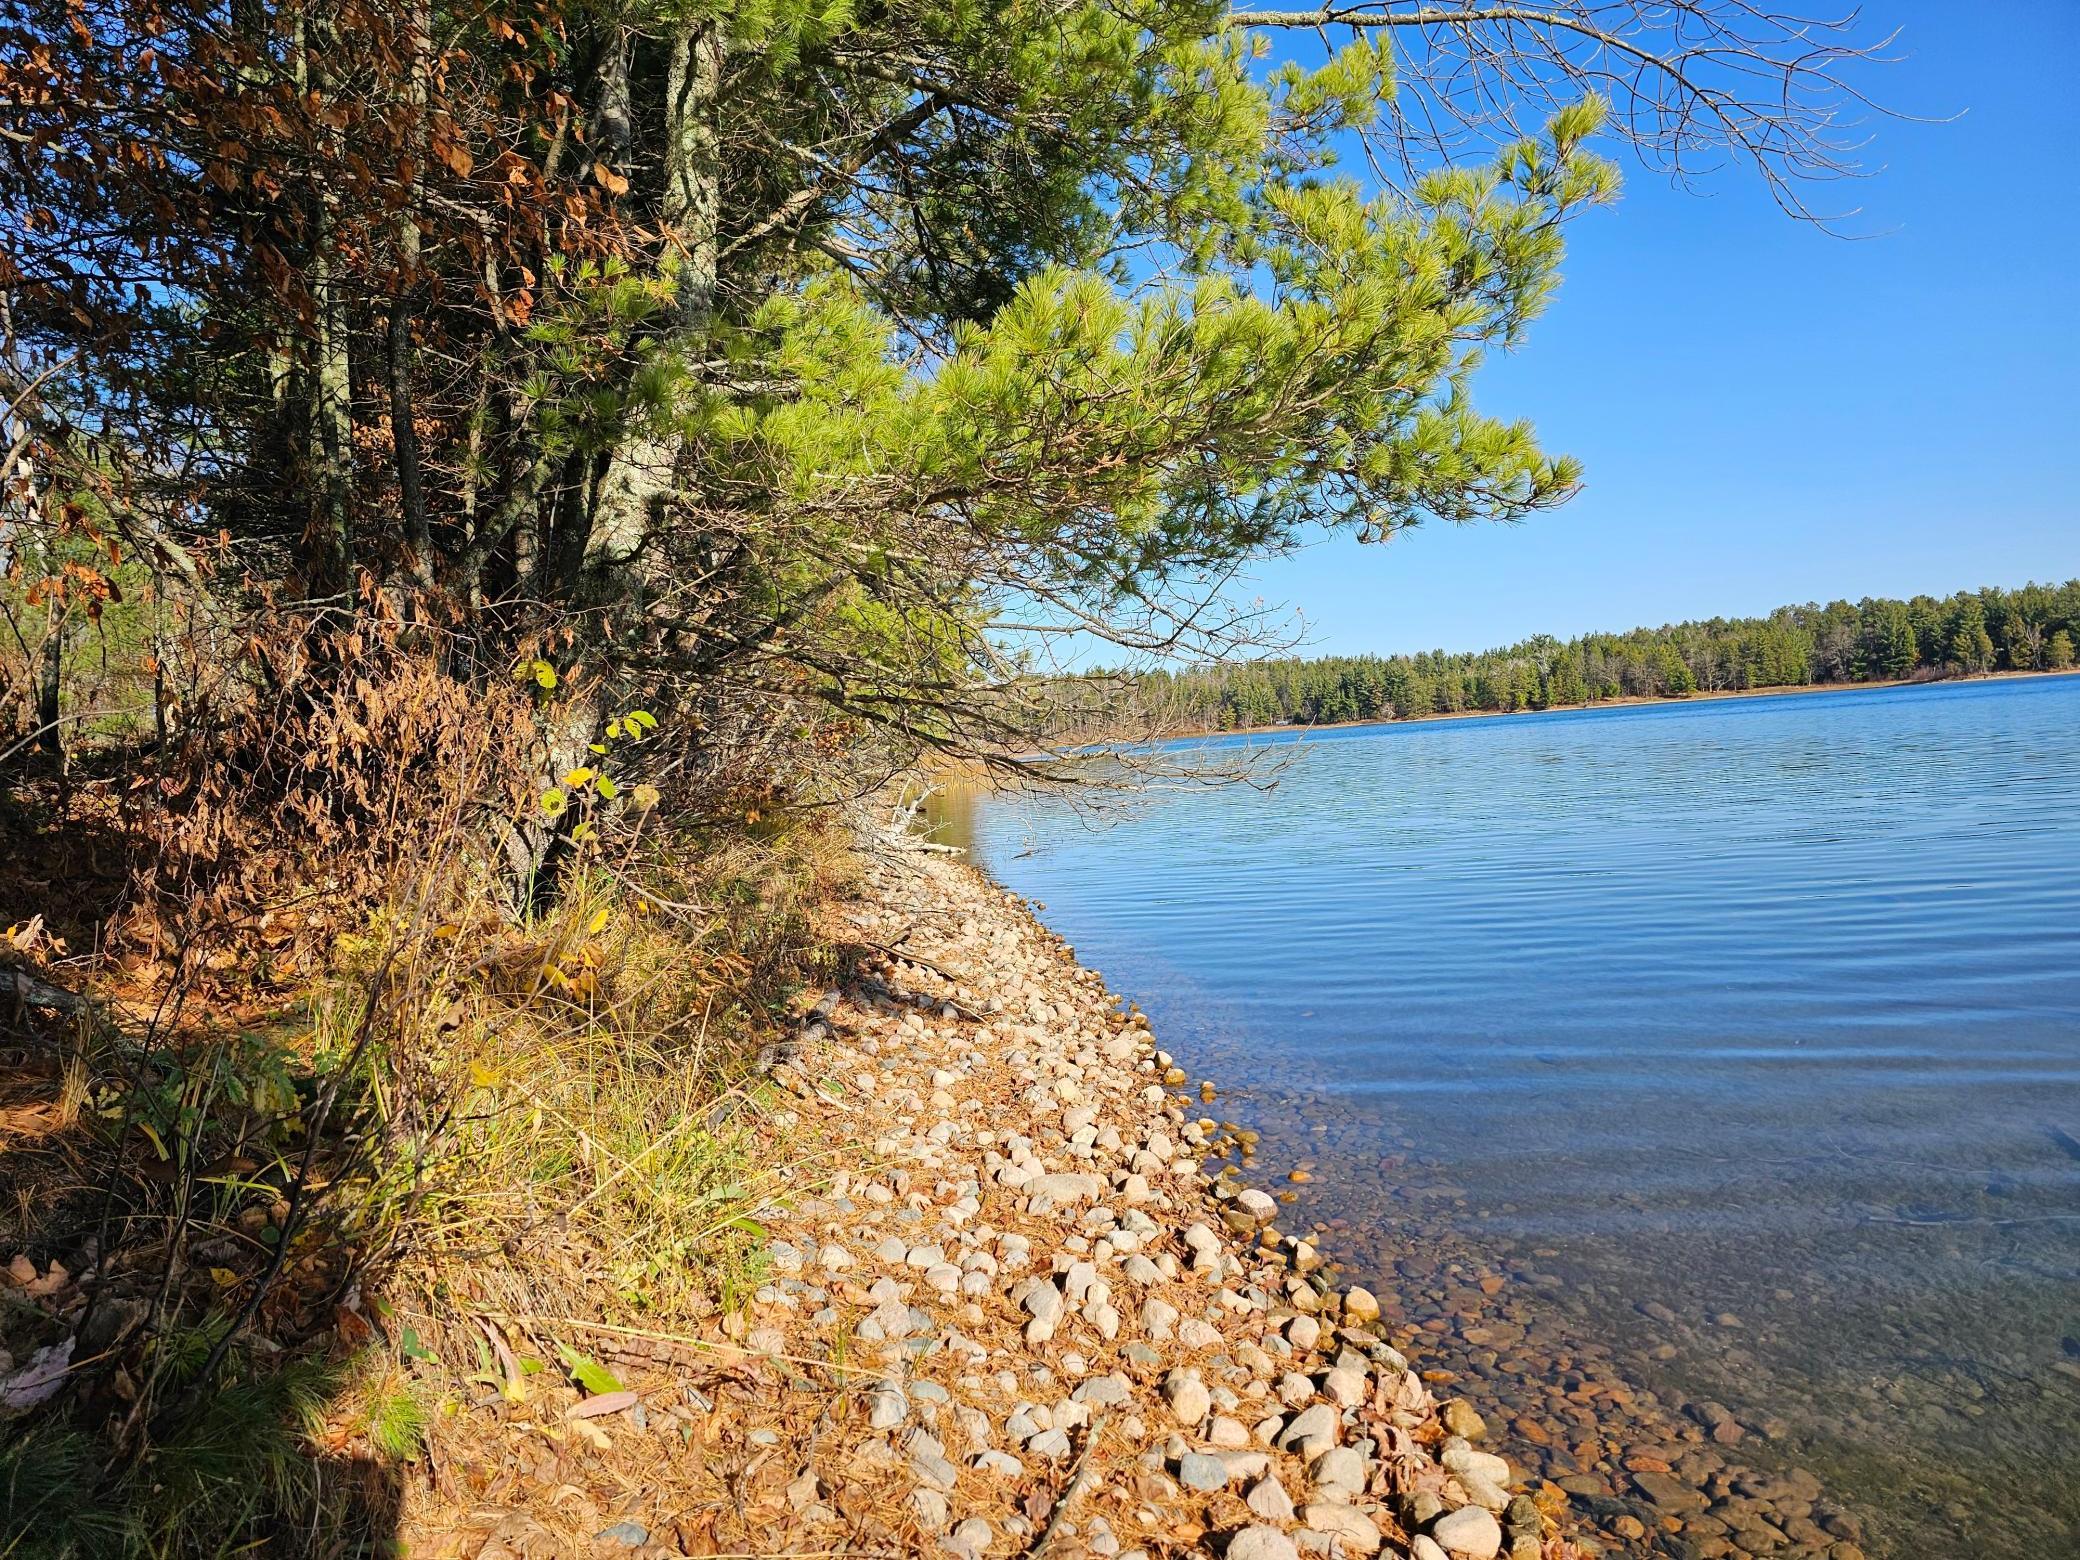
(1268, 1499)
(1051, 1444)
(931, 1509)
(1197, 1471)
(1260, 1206)
(1350, 1527)
(1311, 1432)
(1187, 1396)
(1341, 1467)
(1344, 1387)
(1460, 1419)
(1228, 1432)
(1470, 1532)
(1066, 1187)
(1262, 1543)
(1105, 1391)
(889, 1408)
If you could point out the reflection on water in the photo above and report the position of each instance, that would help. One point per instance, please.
(1744, 1035)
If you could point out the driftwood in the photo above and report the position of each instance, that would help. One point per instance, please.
(875, 988)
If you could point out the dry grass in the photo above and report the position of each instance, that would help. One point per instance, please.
(553, 1115)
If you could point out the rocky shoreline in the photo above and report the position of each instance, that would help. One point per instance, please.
(1024, 1317)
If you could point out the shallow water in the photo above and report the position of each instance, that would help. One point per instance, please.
(1763, 1015)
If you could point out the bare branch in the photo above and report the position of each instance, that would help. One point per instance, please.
(1690, 81)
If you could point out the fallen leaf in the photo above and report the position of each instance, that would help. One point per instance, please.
(594, 1377)
(36, 1381)
(605, 1403)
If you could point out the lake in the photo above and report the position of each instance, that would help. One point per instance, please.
(1700, 1083)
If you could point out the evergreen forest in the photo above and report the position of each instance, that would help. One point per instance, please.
(2033, 628)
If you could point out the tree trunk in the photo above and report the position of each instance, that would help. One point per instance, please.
(637, 482)
(404, 438)
(50, 682)
(329, 390)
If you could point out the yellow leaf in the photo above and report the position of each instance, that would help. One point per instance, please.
(554, 802)
(597, 924)
(483, 1077)
(146, 1128)
(224, 1277)
(578, 776)
(607, 789)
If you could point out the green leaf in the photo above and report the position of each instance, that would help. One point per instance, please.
(594, 1377)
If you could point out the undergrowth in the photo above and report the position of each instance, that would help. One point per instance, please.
(286, 1233)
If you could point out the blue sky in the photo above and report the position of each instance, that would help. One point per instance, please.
(1768, 414)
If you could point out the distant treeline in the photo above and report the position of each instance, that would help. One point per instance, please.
(2034, 628)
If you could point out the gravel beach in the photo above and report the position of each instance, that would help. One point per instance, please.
(1023, 1316)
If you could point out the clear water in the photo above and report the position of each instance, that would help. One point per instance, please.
(1765, 1008)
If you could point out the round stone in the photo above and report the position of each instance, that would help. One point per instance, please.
(1261, 1543)
(1470, 1532)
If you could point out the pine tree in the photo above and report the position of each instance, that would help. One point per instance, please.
(1970, 646)
(808, 352)
(1890, 646)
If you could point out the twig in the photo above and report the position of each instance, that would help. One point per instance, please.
(582, 1325)
(1079, 1479)
(895, 950)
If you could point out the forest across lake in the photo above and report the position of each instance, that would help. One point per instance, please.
(1875, 640)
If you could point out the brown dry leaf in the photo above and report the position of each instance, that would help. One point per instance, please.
(696, 1536)
(592, 1433)
(605, 1403)
(518, 1537)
